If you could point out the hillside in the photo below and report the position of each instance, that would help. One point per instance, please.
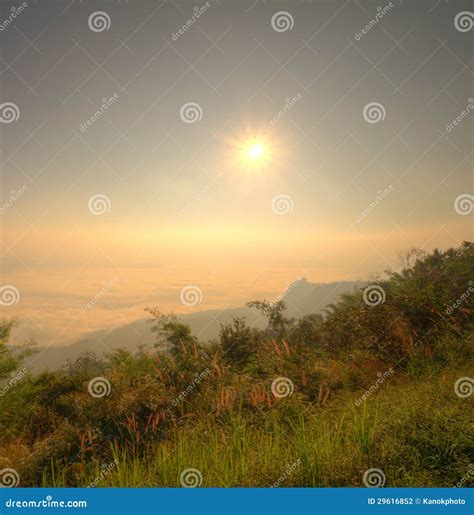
(302, 297)
(378, 392)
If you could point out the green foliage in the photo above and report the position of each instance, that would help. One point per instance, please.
(9, 360)
(417, 314)
(171, 330)
(278, 324)
(239, 342)
(190, 404)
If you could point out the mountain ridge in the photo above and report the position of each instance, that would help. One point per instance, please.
(301, 296)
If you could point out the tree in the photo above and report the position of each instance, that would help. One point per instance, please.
(278, 324)
(239, 342)
(169, 329)
(424, 306)
(9, 361)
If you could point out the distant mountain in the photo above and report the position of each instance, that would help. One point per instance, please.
(301, 297)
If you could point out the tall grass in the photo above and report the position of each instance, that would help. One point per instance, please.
(398, 430)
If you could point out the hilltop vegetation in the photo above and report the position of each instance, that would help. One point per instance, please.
(315, 401)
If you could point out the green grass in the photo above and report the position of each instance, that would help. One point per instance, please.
(415, 430)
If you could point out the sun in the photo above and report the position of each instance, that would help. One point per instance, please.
(250, 150)
(255, 151)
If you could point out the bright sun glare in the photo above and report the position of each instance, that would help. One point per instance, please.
(255, 151)
(251, 151)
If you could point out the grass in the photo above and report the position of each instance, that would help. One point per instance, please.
(416, 430)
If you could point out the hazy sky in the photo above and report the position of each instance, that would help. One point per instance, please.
(343, 186)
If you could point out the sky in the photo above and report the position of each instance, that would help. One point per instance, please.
(127, 137)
